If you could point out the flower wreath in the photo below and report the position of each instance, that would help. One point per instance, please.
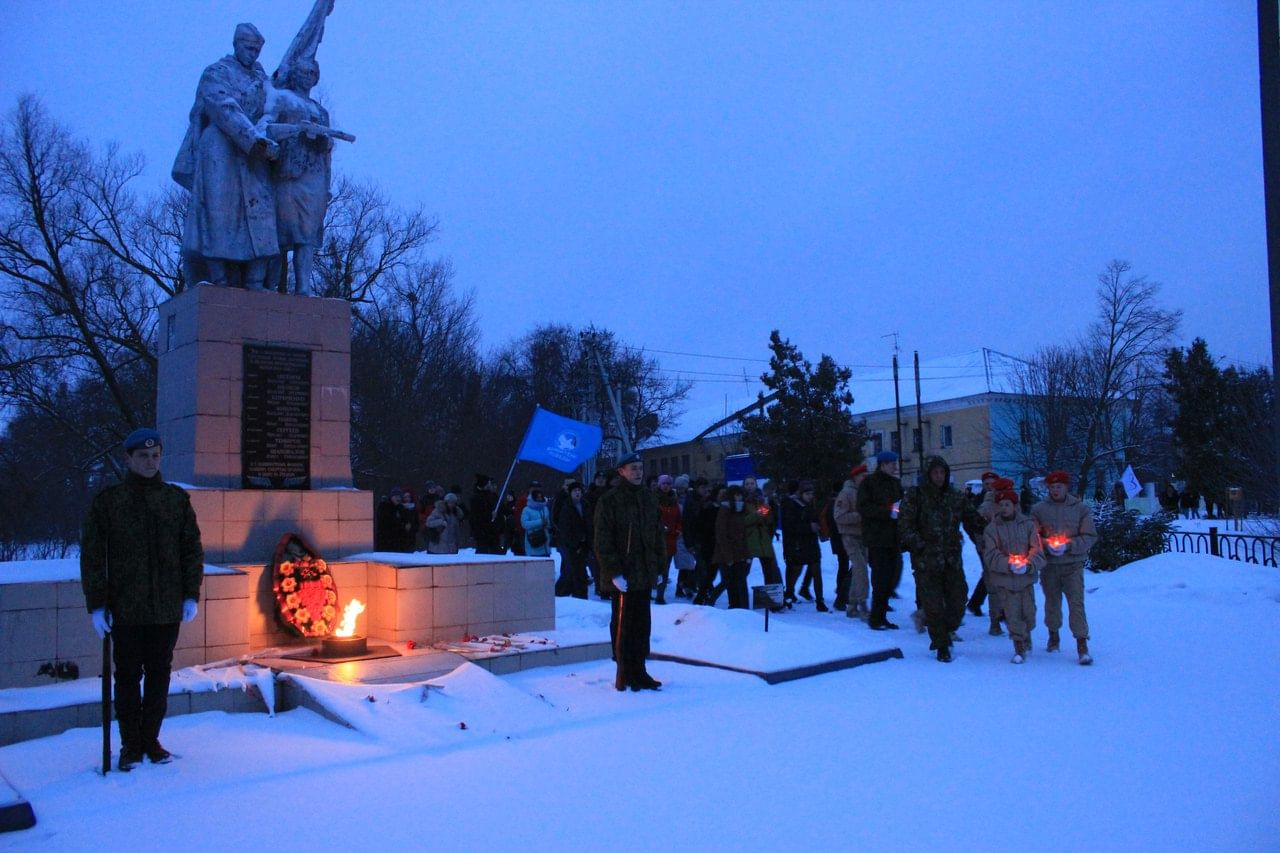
(306, 596)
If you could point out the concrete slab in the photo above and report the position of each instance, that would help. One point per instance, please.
(15, 812)
(778, 676)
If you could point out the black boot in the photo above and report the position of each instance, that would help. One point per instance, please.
(157, 754)
(944, 654)
(130, 757)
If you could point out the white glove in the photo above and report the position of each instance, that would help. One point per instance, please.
(189, 610)
(621, 583)
(101, 622)
(893, 510)
(1058, 550)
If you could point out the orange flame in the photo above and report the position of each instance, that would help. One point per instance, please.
(1018, 560)
(1057, 541)
(348, 627)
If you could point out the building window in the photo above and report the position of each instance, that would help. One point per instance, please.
(684, 463)
(944, 439)
(664, 465)
(897, 442)
(916, 446)
(1024, 429)
(877, 442)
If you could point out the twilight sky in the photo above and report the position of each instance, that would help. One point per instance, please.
(692, 175)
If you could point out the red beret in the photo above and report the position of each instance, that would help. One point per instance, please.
(1007, 495)
(989, 475)
(1003, 483)
(1058, 477)
(857, 469)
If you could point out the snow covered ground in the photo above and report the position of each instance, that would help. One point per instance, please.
(1169, 742)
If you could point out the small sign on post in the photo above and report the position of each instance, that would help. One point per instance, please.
(768, 597)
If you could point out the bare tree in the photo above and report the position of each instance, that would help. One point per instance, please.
(366, 238)
(1092, 406)
(77, 300)
(555, 366)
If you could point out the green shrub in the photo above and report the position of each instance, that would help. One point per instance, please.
(1125, 536)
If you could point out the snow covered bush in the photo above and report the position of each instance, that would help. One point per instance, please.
(1125, 536)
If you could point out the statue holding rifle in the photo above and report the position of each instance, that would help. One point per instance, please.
(301, 173)
(256, 161)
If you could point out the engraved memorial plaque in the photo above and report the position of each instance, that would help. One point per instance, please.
(275, 437)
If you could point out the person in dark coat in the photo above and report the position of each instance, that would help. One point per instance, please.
(708, 591)
(141, 567)
(386, 521)
(929, 522)
(830, 529)
(800, 549)
(573, 539)
(731, 552)
(878, 499)
(485, 528)
(631, 548)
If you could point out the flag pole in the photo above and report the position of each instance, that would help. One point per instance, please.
(514, 462)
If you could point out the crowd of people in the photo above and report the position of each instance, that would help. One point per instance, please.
(711, 535)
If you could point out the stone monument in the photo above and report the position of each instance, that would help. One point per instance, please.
(254, 386)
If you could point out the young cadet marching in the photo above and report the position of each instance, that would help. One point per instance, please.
(1066, 528)
(1012, 557)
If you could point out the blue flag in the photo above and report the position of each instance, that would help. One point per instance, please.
(559, 442)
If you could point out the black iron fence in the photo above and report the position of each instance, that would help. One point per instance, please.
(1262, 550)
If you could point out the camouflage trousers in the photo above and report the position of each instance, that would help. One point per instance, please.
(1058, 581)
(942, 592)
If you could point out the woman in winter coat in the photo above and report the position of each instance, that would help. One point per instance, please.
(442, 526)
(731, 554)
(535, 518)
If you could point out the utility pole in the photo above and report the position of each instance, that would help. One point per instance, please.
(897, 401)
(919, 412)
(1269, 87)
(624, 435)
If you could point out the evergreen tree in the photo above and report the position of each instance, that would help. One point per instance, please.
(1195, 384)
(808, 431)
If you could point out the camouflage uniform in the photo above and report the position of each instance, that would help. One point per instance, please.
(140, 557)
(929, 525)
(629, 543)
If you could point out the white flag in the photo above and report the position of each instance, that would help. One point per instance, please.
(1132, 487)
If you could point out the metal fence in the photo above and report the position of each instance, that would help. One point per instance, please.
(1262, 550)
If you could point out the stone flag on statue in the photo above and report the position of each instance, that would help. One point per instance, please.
(1132, 488)
(559, 442)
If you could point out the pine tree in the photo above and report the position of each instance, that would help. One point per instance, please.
(1194, 382)
(808, 431)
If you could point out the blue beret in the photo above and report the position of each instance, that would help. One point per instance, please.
(886, 456)
(140, 438)
(627, 460)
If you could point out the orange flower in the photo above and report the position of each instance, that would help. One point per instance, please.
(288, 585)
(292, 600)
(320, 627)
(330, 611)
(327, 580)
(302, 614)
(330, 597)
(286, 568)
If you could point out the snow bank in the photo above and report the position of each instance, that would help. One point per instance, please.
(443, 711)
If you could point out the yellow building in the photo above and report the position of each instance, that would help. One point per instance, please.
(966, 409)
